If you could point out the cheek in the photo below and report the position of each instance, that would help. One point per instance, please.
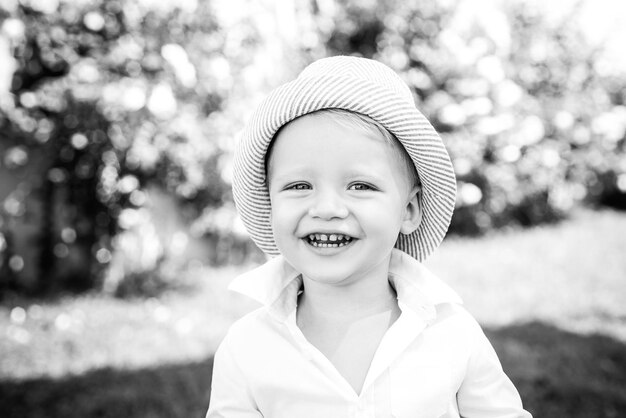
(382, 212)
(385, 219)
(283, 220)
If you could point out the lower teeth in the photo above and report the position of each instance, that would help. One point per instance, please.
(323, 245)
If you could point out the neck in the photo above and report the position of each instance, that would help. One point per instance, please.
(368, 295)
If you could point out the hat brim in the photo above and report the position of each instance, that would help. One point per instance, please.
(378, 101)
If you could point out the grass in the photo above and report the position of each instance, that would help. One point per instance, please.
(551, 300)
(571, 275)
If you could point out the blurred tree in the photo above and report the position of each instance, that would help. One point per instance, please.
(533, 127)
(95, 115)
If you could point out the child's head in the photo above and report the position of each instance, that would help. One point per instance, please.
(336, 101)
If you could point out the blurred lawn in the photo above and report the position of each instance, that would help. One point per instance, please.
(550, 298)
(571, 275)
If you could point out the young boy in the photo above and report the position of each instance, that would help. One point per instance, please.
(341, 178)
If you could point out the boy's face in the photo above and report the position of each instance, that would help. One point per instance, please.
(339, 199)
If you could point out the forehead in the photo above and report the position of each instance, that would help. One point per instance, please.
(310, 135)
(315, 135)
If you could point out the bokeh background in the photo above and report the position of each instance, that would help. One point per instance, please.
(118, 234)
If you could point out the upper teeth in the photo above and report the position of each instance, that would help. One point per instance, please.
(328, 237)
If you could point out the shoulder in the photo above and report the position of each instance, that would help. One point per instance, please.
(248, 326)
(456, 312)
(460, 339)
(457, 323)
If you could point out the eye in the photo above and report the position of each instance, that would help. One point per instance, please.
(298, 186)
(361, 186)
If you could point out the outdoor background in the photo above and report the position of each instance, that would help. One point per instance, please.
(118, 235)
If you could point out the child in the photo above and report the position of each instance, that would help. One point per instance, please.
(341, 178)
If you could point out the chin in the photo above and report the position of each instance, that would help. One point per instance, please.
(328, 274)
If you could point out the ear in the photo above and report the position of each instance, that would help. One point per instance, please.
(413, 214)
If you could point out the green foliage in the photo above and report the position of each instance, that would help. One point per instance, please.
(534, 120)
(107, 102)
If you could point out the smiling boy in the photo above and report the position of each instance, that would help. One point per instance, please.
(341, 178)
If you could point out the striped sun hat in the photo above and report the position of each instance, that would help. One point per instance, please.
(359, 85)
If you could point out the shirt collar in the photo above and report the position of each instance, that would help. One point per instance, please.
(276, 284)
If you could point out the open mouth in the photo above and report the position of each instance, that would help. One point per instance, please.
(328, 240)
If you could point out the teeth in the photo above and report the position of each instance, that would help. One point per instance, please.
(329, 240)
(323, 245)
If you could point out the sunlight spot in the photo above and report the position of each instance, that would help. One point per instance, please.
(127, 184)
(510, 153)
(508, 93)
(468, 194)
(177, 57)
(13, 206)
(103, 255)
(79, 141)
(138, 198)
(16, 263)
(68, 235)
(87, 72)
(94, 21)
(13, 28)
(28, 99)
(134, 98)
(61, 250)
(621, 183)
(56, 175)
(18, 315)
(162, 102)
(16, 157)
(531, 131)
(550, 158)
(63, 322)
(563, 120)
(462, 166)
(452, 114)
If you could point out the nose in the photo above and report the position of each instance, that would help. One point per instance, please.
(328, 205)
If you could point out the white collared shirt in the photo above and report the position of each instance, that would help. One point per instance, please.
(434, 361)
